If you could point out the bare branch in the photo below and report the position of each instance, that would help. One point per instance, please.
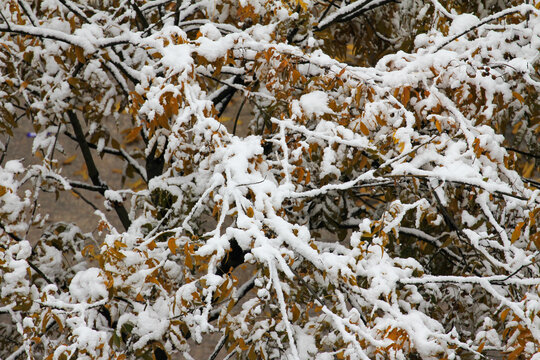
(92, 169)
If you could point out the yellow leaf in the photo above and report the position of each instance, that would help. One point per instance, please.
(172, 245)
(250, 212)
(137, 185)
(69, 160)
(438, 126)
(118, 244)
(188, 260)
(519, 97)
(516, 128)
(302, 4)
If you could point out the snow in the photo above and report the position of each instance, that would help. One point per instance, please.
(177, 57)
(315, 103)
(210, 31)
(14, 167)
(88, 338)
(88, 286)
(462, 23)
(113, 196)
(426, 155)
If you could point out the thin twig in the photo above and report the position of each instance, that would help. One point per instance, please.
(238, 114)
(84, 199)
(522, 152)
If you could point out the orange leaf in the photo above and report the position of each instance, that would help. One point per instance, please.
(481, 347)
(514, 354)
(364, 129)
(504, 314)
(250, 212)
(406, 95)
(301, 173)
(536, 239)
(132, 135)
(152, 280)
(517, 232)
(172, 245)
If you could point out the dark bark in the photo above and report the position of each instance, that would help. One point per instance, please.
(93, 172)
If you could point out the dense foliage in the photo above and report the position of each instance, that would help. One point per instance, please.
(378, 202)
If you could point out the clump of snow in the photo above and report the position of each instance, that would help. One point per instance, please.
(14, 166)
(535, 38)
(210, 31)
(462, 23)
(113, 196)
(177, 57)
(88, 338)
(315, 102)
(88, 285)
(22, 250)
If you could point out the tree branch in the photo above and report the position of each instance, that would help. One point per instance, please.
(93, 172)
(486, 20)
(140, 15)
(122, 153)
(84, 199)
(351, 11)
(522, 152)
